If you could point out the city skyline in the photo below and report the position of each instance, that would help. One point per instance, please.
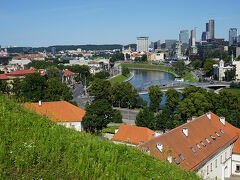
(64, 23)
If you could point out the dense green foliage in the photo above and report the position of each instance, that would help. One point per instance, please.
(33, 147)
(179, 67)
(102, 75)
(98, 114)
(141, 59)
(101, 89)
(117, 57)
(155, 96)
(145, 118)
(125, 71)
(34, 87)
(208, 66)
(230, 74)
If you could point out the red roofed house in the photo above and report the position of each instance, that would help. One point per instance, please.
(20, 73)
(62, 112)
(69, 77)
(207, 144)
(132, 135)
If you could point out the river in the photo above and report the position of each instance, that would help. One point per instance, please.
(143, 76)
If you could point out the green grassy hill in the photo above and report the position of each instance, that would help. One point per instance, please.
(33, 147)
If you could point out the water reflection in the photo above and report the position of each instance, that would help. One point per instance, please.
(144, 76)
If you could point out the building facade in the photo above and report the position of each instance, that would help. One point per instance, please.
(204, 144)
(184, 36)
(233, 36)
(211, 29)
(142, 44)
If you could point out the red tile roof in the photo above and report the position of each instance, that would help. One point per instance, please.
(68, 73)
(21, 72)
(4, 77)
(59, 111)
(133, 134)
(176, 143)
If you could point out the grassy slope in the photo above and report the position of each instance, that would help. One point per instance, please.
(119, 78)
(235, 91)
(150, 66)
(189, 77)
(33, 147)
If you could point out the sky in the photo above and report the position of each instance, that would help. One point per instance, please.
(73, 22)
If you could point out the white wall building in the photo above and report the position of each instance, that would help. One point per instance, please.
(207, 145)
(142, 44)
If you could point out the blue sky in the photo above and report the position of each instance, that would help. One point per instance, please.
(57, 22)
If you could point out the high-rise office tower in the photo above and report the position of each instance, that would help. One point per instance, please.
(184, 36)
(204, 36)
(211, 29)
(142, 44)
(193, 38)
(233, 36)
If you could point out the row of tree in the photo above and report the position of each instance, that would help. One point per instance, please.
(191, 102)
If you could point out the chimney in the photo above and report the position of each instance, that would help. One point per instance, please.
(158, 133)
(194, 117)
(169, 158)
(222, 120)
(189, 120)
(116, 130)
(40, 103)
(185, 131)
(167, 130)
(208, 115)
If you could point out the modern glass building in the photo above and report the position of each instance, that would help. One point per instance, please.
(184, 36)
(233, 36)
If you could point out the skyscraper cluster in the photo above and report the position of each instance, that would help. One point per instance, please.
(209, 34)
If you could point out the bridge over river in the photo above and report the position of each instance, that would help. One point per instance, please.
(166, 84)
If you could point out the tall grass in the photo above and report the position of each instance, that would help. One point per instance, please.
(33, 147)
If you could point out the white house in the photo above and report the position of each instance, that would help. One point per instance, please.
(61, 112)
(207, 145)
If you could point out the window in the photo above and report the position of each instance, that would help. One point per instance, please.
(160, 147)
(217, 134)
(216, 163)
(211, 167)
(213, 137)
(193, 150)
(176, 161)
(203, 144)
(237, 167)
(208, 141)
(199, 147)
(181, 156)
(207, 170)
(221, 131)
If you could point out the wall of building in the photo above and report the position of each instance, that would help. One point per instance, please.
(219, 166)
(75, 125)
(235, 163)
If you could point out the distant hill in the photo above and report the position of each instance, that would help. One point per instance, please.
(70, 47)
(33, 147)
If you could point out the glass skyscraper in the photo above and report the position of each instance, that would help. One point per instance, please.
(233, 36)
(184, 36)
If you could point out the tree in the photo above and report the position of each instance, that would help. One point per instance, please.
(17, 87)
(101, 89)
(125, 71)
(179, 67)
(124, 95)
(56, 90)
(53, 72)
(208, 66)
(196, 104)
(197, 64)
(164, 120)
(144, 58)
(102, 75)
(172, 100)
(155, 96)
(98, 114)
(4, 86)
(117, 118)
(145, 118)
(33, 87)
(128, 56)
(83, 72)
(230, 74)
